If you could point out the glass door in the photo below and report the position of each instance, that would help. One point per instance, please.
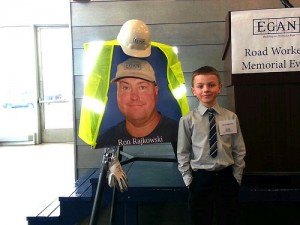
(55, 84)
(17, 86)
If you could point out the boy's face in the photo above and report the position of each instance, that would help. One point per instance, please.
(206, 88)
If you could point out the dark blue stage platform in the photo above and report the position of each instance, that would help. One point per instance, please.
(157, 195)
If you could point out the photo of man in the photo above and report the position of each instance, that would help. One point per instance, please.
(137, 96)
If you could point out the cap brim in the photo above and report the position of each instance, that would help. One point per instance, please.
(131, 76)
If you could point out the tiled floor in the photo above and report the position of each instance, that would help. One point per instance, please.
(31, 177)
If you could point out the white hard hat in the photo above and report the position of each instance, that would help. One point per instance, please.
(134, 38)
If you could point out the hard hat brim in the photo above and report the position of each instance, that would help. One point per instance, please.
(137, 53)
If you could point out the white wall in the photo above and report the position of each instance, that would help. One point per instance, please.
(19, 12)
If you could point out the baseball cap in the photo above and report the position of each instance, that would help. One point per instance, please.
(134, 67)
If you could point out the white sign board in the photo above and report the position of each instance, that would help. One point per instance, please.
(265, 40)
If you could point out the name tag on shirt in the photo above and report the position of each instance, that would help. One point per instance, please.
(227, 127)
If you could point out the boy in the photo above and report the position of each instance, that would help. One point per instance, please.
(211, 153)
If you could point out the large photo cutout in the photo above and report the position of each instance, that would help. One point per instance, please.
(140, 108)
(134, 91)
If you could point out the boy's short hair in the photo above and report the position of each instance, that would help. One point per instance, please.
(205, 70)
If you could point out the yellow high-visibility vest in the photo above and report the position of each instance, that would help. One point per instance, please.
(97, 66)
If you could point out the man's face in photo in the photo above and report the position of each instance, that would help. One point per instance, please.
(136, 99)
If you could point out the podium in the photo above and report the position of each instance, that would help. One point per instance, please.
(262, 64)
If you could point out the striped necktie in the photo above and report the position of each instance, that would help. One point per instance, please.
(212, 133)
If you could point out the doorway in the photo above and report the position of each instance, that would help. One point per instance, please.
(36, 85)
(17, 85)
(55, 84)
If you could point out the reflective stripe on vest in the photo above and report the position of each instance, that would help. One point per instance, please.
(97, 68)
(175, 76)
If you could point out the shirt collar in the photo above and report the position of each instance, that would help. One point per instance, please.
(202, 109)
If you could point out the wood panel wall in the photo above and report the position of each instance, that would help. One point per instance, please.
(197, 28)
